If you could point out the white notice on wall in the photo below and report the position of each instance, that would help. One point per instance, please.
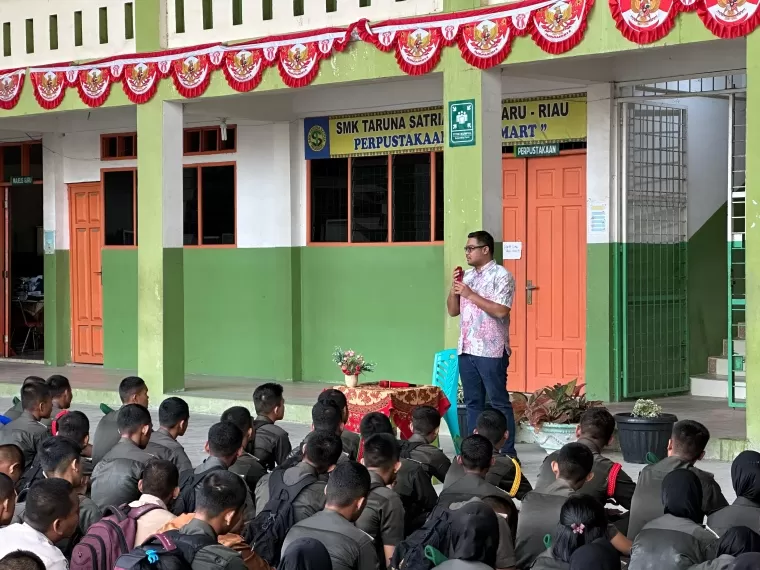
(598, 217)
(512, 250)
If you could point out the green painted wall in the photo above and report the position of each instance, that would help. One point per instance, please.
(601, 363)
(708, 295)
(120, 308)
(57, 309)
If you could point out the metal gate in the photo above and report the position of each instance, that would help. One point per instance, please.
(654, 253)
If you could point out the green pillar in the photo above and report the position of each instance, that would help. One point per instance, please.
(160, 280)
(752, 313)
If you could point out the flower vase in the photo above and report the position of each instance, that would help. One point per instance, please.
(352, 380)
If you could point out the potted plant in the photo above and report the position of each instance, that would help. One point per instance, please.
(553, 413)
(351, 364)
(644, 432)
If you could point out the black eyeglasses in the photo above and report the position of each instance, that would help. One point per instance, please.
(471, 248)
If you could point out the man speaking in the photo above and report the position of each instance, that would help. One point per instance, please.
(482, 296)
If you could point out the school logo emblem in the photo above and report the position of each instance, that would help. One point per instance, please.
(317, 138)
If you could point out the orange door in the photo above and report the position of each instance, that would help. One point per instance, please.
(514, 197)
(85, 213)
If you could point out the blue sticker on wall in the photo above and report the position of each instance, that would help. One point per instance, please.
(316, 131)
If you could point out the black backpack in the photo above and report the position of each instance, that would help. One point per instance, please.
(32, 474)
(166, 551)
(267, 531)
(407, 447)
(410, 553)
(188, 483)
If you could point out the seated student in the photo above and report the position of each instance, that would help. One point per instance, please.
(426, 421)
(115, 477)
(271, 444)
(52, 514)
(60, 391)
(21, 560)
(412, 481)
(247, 466)
(306, 554)
(173, 416)
(677, 539)
(7, 500)
(745, 511)
(325, 417)
(15, 411)
(734, 542)
(582, 521)
(383, 516)
(504, 472)
(346, 495)
(12, 461)
(349, 439)
(321, 453)
(600, 555)
(596, 430)
(159, 485)
(26, 431)
(747, 561)
(132, 390)
(474, 539)
(540, 510)
(76, 426)
(686, 447)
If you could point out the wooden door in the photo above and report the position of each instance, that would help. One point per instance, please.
(514, 197)
(86, 219)
(556, 264)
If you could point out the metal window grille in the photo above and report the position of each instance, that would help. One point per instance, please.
(654, 264)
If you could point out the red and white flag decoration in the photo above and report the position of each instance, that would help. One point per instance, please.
(93, 84)
(49, 85)
(560, 26)
(139, 79)
(728, 19)
(243, 68)
(11, 84)
(192, 72)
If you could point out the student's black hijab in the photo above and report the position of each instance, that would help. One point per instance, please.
(748, 561)
(738, 540)
(682, 495)
(599, 555)
(305, 554)
(474, 534)
(745, 475)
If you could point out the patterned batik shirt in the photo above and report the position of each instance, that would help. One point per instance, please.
(479, 333)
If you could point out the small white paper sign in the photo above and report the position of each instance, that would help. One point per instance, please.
(512, 250)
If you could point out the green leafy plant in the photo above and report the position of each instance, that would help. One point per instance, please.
(558, 404)
(460, 394)
(646, 409)
(350, 362)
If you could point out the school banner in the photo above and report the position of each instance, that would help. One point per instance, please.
(532, 121)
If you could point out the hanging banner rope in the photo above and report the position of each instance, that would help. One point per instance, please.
(11, 84)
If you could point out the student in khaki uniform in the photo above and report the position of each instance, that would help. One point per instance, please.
(26, 431)
(325, 417)
(159, 486)
(735, 542)
(132, 390)
(350, 439)
(426, 421)
(474, 539)
(11, 461)
(173, 416)
(60, 391)
(271, 444)
(383, 517)
(17, 409)
(321, 452)
(745, 511)
(505, 471)
(596, 430)
(247, 466)
(76, 426)
(346, 495)
(686, 447)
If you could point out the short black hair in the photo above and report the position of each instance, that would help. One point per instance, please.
(11, 453)
(33, 394)
(690, 439)
(58, 385)
(7, 488)
(381, 451)
(326, 416)
(267, 397)
(575, 461)
(21, 560)
(323, 449)
(477, 452)
(492, 425)
(33, 380)
(130, 386)
(159, 478)
(57, 452)
(240, 416)
(483, 238)
(74, 425)
(334, 396)
(224, 439)
(132, 417)
(220, 491)
(598, 424)
(373, 423)
(172, 411)
(47, 501)
(425, 420)
(348, 482)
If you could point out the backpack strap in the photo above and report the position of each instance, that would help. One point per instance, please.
(277, 485)
(135, 513)
(518, 478)
(121, 512)
(612, 479)
(376, 485)
(407, 447)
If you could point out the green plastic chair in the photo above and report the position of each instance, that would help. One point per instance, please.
(446, 377)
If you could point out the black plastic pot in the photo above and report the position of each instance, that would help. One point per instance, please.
(641, 436)
(462, 419)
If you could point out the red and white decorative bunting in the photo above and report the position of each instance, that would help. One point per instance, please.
(140, 80)
(192, 73)
(486, 43)
(560, 26)
(243, 68)
(49, 86)
(11, 84)
(93, 85)
(729, 19)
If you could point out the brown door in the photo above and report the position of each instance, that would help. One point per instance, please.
(86, 220)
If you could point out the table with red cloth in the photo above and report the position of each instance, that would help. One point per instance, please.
(397, 403)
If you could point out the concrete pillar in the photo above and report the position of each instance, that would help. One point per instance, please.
(160, 279)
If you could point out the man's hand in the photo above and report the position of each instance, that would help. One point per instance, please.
(462, 290)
